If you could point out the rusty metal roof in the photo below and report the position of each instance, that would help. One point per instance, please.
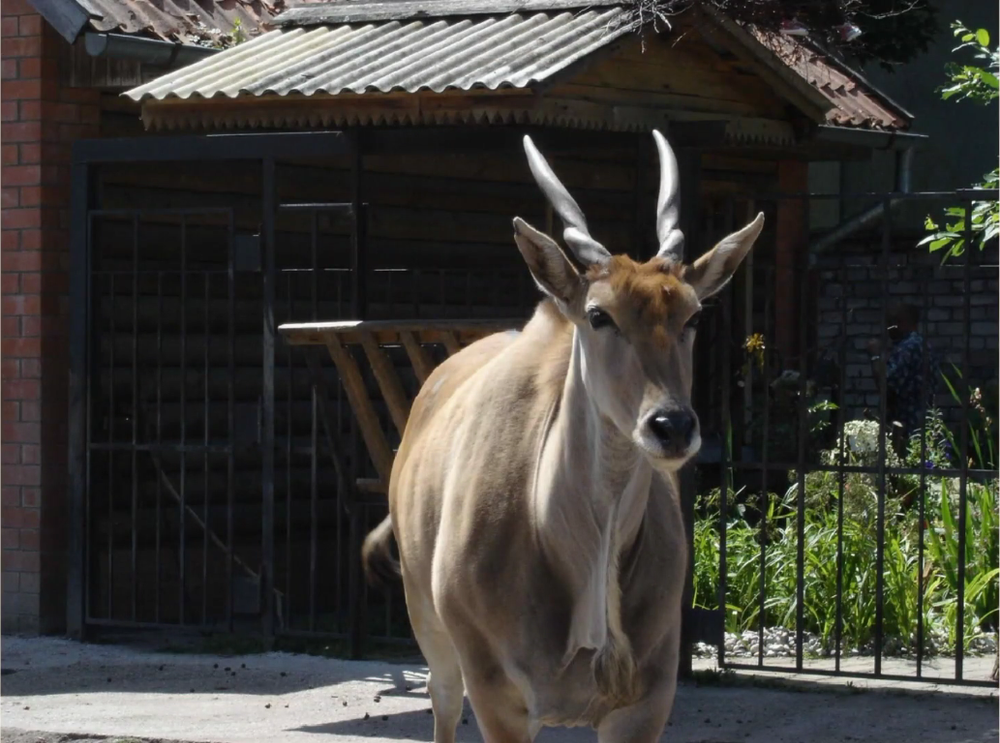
(201, 22)
(509, 51)
(856, 102)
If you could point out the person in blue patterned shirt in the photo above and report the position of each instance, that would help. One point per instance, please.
(906, 407)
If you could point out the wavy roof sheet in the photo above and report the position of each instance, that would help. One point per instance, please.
(507, 51)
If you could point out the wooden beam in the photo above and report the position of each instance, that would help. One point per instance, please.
(451, 342)
(364, 411)
(422, 364)
(388, 382)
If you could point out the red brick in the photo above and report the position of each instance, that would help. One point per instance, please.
(80, 95)
(29, 541)
(10, 495)
(21, 175)
(21, 603)
(19, 474)
(10, 369)
(8, 27)
(23, 131)
(10, 539)
(18, 7)
(11, 327)
(30, 25)
(30, 154)
(10, 198)
(31, 518)
(21, 389)
(29, 196)
(90, 115)
(21, 89)
(10, 454)
(21, 305)
(25, 46)
(8, 153)
(18, 219)
(31, 239)
(10, 240)
(30, 111)
(10, 580)
(23, 260)
(21, 348)
(9, 71)
(31, 283)
(30, 369)
(10, 283)
(23, 562)
(31, 327)
(10, 410)
(8, 111)
(30, 582)
(29, 68)
(31, 497)
(31, 453)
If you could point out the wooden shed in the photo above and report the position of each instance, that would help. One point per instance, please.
(363, 161)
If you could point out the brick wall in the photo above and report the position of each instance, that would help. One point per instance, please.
(40, 120)
(853, 274)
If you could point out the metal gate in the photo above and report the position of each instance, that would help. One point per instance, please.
(213, 468)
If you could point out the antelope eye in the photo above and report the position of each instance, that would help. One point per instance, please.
(693, 322)
(598, 318)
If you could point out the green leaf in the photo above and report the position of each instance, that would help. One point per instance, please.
(983, 37)
(990, 79)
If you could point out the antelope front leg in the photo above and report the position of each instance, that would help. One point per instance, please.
(642, 722)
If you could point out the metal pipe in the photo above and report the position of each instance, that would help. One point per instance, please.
(904, 168)
(148, 51)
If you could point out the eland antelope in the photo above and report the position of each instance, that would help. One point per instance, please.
(534, 497)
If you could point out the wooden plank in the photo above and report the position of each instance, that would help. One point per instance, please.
(364, 411)
(451, 342)
(422, 364)
(388, 382)
(408, 9)
(387, 331)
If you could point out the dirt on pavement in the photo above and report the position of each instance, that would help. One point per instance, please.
(81, 693)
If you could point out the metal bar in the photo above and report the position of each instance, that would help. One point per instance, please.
(182, 501)
(359, 268)
(860, 675)
(111, 458)
(883, 424)
(135, 418)
(727, 339)
(212, 147)
(231, 419)
(765, 496)
(921, 506)
(800, 470)
(963, 482)
(207, 435)
(159, 439)
(269, 205)
(79, 401)
(289, 309)
(841, 421)
(314, 431)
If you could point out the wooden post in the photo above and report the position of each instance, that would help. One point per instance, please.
(791, 234)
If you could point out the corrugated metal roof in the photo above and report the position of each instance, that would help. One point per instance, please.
(510, 51)
(856, 102)
(204, 23)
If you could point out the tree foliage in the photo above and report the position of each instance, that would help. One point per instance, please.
(977, 83)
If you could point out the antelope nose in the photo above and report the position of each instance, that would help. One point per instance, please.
(674, 429)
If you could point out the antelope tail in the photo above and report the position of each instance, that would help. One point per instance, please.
(376, 555)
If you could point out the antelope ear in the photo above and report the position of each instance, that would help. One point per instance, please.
(713, 270)
(551, 269)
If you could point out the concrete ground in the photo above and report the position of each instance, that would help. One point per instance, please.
(57, 691)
